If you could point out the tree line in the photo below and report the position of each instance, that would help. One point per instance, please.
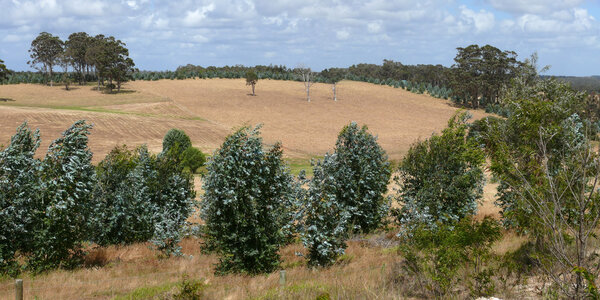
(107, 58)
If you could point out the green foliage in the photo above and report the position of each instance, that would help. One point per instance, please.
(248, 204)
(433, 255)
(176, 137)
(251, 79)
(441, 179)
(542, 109)
(361, 173)
(62, 210)
(192, 158)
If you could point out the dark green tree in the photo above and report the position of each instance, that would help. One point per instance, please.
(251, 79)
(248, 196)
(176, 138)
(479, 73)
(4, 72)
(76, 48)
(45, 52)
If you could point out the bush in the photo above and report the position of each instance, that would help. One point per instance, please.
(176, 137)
(247, 205)
(441, 179)
(192, 158)
(433, 256)
(360, 172)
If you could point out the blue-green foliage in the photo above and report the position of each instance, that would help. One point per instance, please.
(325, 221)
(63, 205)
(361, 172)
(248, 204)
(441, 179)
(344, 195)
(139, 197)
(19, 182)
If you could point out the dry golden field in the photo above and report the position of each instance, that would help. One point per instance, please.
(208, 110)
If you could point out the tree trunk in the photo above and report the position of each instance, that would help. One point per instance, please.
(334, 92)
(50, 75)
(253, 89)
(308, 93)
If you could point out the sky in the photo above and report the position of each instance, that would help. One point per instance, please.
(162, 35)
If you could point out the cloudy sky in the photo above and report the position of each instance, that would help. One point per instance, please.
(162, 35)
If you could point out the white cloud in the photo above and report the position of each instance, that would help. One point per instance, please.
(342, 34)
(374, 27)
(482, 21)
(534, 6)
(195, 18)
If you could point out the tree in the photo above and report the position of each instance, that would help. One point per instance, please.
(19, 188)
(564, 203)
(75, 48)
(333, 76)
(251, 79)
(4, 72)
(63, 208)
(111, 61)
(248, 196)
(361, 173)
(441, 179)
(192, 158)
(307, 76)
(479, 73)
(45, 52)
(325, 221)
(65, 61)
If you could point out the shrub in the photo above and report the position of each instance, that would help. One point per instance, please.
(176, 137)
(360, 172)
(192, 158)
(325, 219)
(441, 179)
(247, 202)
(433, 256)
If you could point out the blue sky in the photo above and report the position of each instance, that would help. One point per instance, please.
(162, 35)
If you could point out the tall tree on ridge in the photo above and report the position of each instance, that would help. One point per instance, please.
(45, 52)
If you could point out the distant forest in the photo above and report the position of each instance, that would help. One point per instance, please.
(588, 83)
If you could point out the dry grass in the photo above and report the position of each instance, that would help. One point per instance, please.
(363, 275)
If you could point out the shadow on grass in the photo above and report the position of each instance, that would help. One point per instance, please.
(104, 90)
(6, 99)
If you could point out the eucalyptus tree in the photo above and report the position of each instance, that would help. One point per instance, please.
(251, 79)
(75, 49)
(111, 60)
(45, 53)
(3, 71)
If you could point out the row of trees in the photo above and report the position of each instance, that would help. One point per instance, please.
(106, 57)
(49, 208)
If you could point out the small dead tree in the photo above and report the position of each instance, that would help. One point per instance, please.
(307, 76)
(565, 202)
